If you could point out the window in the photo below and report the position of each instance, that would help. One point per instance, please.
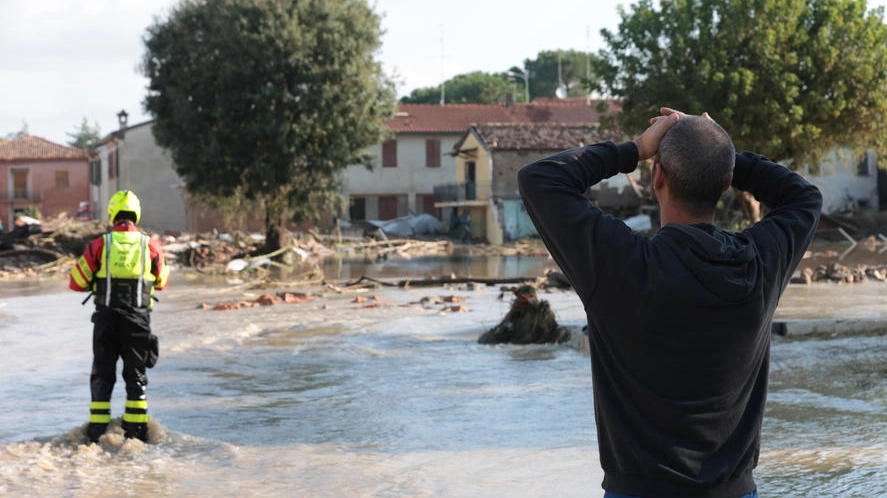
(427, 204)
(862, 169)
(432, 153)
(112, 164)
(387, 207)
(358, 209)
(61, 179)
(389, 154)
(95, 172)
(19, 184)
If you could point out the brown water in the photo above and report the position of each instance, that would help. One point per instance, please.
(334, 399)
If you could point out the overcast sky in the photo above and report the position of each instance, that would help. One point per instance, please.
(63, 60)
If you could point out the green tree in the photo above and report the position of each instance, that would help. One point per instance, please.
(268, 99)
(85, 135)
(574, 72)
(22, 133)
(792, 79)
(470, 88)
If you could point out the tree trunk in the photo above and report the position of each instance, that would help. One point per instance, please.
(273, 225)
(751, 208)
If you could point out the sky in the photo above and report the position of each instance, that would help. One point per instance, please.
(65, 60)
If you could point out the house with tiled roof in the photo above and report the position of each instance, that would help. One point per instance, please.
(417, 157)
(488, 157)
(38, 174)
(130, 158)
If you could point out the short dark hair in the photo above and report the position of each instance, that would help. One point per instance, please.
(698, 157)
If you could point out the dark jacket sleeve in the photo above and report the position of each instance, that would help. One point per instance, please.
(795, 206)
(553, 191)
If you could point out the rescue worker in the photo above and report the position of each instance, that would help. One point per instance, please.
(122, 269)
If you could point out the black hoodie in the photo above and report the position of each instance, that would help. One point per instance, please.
(679, 324)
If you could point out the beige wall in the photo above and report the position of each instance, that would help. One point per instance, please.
(411, 177)
(147, 169)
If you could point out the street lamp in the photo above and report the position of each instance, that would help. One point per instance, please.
(515, 74)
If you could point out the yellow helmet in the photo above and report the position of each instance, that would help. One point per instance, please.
(124, 200)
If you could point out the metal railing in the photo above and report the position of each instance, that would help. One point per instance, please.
(21, 195)
(464, 191)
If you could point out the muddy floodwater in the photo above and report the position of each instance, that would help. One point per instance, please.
(332, 398)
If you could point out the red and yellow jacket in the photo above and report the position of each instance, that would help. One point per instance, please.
(122, 256)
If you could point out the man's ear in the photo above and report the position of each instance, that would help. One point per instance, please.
(658, 177)
(729, 183)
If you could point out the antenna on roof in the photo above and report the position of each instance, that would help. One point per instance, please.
(561, 90)
(443, 76)
(588, 62)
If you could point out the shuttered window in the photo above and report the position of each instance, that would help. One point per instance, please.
(432, 153)
(389, 154)
(61, 179)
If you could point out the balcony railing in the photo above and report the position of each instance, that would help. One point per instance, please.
(21, 195)
(465, 191)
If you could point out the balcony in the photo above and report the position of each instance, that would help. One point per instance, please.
(21, 195)
(465, 191)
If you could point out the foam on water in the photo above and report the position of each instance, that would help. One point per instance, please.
(335, 399)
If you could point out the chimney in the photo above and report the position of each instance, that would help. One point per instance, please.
(509, 100)
(121, 118)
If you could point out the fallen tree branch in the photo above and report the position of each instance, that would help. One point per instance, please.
(432, 282)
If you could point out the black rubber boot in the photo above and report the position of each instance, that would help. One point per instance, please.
(95, 431)
(137, 431)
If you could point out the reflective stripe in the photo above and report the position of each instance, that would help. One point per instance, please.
(136, 418)
(125, 271)
(100, 412)
(137, 403)
(141, 272)
(81, 273)
(108, 243)
(163, 278)
(99, 418)
(136, 411)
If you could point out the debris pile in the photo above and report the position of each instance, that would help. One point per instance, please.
(529, 321)
(836, 272)
(263, 300)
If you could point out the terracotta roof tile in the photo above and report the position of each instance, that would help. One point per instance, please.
(542, 136)
(35, 148)
(456, 118)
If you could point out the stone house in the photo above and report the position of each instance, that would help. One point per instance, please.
(488, 158)
(415, 169)
(849, 183)
(36, 173)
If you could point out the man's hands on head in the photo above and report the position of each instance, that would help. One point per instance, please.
(648, 141)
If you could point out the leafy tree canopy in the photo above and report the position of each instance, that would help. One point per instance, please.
(470, 88)
(22, 133)
(570, 68)
(791, 79)
(543, 74)
(268, 99)
(85, 135)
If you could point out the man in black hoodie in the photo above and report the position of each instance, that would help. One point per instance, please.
(679, 324)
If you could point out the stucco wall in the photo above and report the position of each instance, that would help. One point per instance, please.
(147, 169)
(410, 177)
(842, 183)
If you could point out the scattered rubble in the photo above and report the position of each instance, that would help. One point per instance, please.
(836, 272)
(49, 248)
(529, 321)
(263, 300)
